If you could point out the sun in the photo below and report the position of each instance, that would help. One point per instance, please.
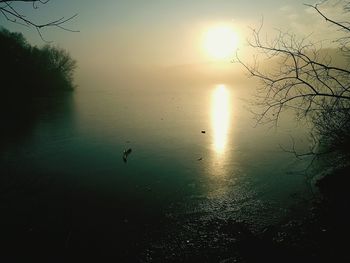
(220, 42)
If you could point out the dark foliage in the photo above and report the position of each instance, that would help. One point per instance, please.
(30, 78)
(333, 129)
(32, 70)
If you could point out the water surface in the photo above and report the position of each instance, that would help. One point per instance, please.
(195, 153)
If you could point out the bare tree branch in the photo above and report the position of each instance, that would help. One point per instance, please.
(305, 81)
(12, 14)
(339, 24)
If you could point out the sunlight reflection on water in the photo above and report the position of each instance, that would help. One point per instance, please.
(220, 118)
(221, 159)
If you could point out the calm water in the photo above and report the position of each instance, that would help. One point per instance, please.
(233, 170)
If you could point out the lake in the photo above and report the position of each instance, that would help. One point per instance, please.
(196, 155)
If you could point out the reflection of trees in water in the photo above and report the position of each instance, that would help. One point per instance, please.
(34, 81)
(35, 85)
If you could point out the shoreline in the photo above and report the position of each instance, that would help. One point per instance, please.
(316, 236)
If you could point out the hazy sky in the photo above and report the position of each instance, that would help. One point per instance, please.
(156, 32)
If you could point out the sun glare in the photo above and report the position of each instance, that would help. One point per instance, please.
(220, 117)
(220, 42)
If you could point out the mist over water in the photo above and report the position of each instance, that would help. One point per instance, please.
(194, 150)
(128, 131)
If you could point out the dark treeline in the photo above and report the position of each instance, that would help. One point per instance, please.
(33, 70)
(30, 78)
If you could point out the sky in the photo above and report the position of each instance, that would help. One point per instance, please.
(157, 33)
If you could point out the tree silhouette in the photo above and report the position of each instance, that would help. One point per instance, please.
(306, 81)
(32, 79)
(31, 69)
(10, 11)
